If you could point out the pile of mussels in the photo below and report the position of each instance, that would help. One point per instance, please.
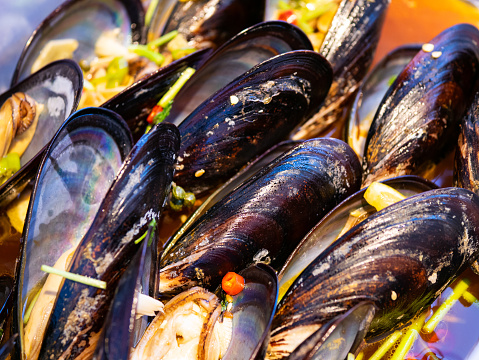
(240, 134)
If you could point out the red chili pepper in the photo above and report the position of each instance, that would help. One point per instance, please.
(155, 111)
(288, 16)
(232, 283)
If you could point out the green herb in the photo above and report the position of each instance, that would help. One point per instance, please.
(26, 317)
(172, 91)
(392, 79)
(150, 12)
(75, 277)
(116, 72)
(151, 229)
(182, 52)
(142, 50)
(9, 165)
(458, 291)
(162, 40)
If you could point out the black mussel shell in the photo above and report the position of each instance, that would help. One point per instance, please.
(419, 116)
(333, 224)
(400, 258)
(249, 116)
(58, 87)
(116, 338)
(135, 103)
(85, 21)
(7, 348)
(466, 164)
(371, 92)
(135, 198)
(78, 167)
(339, 337)
(244, 51)
(243, 175)
(269, 213)
(349, 46)
(206, 23)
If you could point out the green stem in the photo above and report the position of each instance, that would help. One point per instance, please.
(150, 12)
(171, 93)
(386, 345)
(409, 338)
(75, 277)
(458, 291)
(142, 50)
(162, 40)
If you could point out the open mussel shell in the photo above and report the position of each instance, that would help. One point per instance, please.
(84, 21)
(349, 46)
(333, 224)
(135, 198)
(7, 348)
(257, 301)
(239, 55)
(57, 88)
(419, 116)
(248, 116)
(252, 311)
(466, 163)
(205, 23)
(76, 172)
(135, 103)
(400, 258)
(371, 92)
(262, 215)
(339, 337)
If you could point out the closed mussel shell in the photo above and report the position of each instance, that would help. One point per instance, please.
(400, 258)
(270, 213)
(419, 116)
(248, 116)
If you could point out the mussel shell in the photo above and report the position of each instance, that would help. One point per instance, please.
(116, 338)
(78, 167)
(7, 348)
(466, 162)
(349, 46)
(223, 134)
(85, 21)
(273, 210)
(206, 23)
(401, 258)
(330, 226)
(244, 174)
(420, 114)
(135, 198)
(339, 337)
(58, 86)
(253, 311)
(135, 103)
(371, 92)
(244, 51)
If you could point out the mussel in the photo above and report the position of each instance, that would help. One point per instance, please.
(466, 165)
(135, 198)
(205, 23)
(400, 258)
(248, 116)
(349, 46)
(268, 214)
(79, 165)
(418, 118)
(182, 328)
(371, 92)
(56, 91)
(83, 22)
